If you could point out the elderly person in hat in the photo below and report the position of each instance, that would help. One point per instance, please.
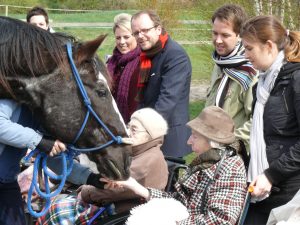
(146, 129)
(214, 188)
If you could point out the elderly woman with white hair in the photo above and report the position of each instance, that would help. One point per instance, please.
(146, 129)
(213, 189)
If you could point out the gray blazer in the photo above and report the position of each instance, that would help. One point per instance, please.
(167, 91)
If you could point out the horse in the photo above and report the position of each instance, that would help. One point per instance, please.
(35, 71)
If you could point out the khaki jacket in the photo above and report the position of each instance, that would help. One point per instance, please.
(238, 104)
(148, 167)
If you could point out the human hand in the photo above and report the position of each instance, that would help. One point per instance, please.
(112, 184)
(50, 146)
(261, 187)
(130, 184)
(57, 148)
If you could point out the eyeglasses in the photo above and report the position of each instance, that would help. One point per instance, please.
(134, 129)
(143, 31)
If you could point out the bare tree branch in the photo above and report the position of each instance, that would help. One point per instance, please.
(291, 24)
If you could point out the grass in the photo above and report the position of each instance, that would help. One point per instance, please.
(79, 17)
(200, 54)
(195, 108)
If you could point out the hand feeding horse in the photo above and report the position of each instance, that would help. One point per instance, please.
(36, 70)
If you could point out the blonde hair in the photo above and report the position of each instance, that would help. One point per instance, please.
(123, 21)
(264, 28)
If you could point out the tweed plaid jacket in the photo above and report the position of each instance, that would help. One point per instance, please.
(225, 195)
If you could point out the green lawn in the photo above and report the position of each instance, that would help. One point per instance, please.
(200, 54)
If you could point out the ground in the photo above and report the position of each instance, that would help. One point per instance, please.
(198, 90)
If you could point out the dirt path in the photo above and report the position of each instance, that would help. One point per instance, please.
(198, 91)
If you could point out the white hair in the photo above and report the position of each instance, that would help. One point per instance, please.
(215, 144)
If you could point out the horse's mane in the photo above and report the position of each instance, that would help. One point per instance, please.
(28, 50)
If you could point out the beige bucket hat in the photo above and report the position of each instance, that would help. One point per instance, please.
(215, 124)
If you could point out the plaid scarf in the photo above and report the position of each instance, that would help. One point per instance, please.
(121, 67)
(145, 58)
(68, 209)
(236, 66)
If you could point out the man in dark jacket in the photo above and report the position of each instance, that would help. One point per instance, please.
(164, 81)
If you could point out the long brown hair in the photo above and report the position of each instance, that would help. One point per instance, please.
(264, 28)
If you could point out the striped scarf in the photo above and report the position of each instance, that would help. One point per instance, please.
(145, 58)
(236, 66)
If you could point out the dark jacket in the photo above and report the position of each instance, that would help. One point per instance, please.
(282, 135)
(168, 92)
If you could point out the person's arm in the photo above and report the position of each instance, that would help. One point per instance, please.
(16, 135)
(12, 133)
(92, 195)
(130, 184)
(175, 77)
(225, 196)
(246, 100)
(80, 174)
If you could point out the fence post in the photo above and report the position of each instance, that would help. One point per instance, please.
(6, 10)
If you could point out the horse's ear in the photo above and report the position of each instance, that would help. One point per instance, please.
(88, 49)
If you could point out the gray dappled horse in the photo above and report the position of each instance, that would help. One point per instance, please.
(34, 70)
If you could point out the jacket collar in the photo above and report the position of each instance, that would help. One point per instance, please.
(137, 150)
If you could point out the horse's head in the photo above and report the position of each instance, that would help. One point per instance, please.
(49, 89)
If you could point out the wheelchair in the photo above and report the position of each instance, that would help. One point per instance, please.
(175, 166)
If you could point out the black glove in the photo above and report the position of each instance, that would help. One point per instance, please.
(93, 180)
(46, 145)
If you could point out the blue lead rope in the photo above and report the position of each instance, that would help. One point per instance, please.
(47, 195)
(69, 154)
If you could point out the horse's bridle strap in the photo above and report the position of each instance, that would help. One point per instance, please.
(87, 102)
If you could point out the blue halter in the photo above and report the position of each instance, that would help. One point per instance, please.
(67, 156)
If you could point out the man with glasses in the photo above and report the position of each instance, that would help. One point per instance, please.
(164, 80)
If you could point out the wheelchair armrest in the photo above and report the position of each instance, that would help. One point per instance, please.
(175, 159)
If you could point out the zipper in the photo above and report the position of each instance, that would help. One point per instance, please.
(284, 99)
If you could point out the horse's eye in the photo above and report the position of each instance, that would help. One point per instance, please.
(101, 93)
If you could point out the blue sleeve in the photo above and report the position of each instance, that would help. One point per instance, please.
(78, 175)
(12, 133)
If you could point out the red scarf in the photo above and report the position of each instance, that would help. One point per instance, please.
(145, 58)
